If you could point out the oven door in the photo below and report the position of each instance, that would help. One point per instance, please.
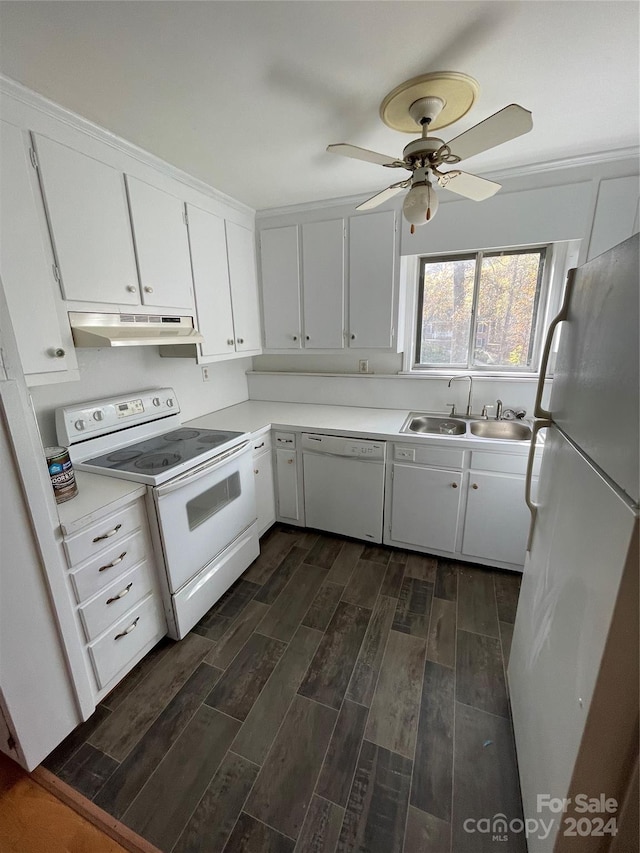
(201, 512)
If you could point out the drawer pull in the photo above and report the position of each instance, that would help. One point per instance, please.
(258, 446)
(290, 461)
(120, 594)
(127, 630)
(474, 485)
(454, 485)
(113, 562)
(109, 534)
(256, 470)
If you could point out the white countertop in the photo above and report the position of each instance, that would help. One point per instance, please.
(97, 496)
(255, 415)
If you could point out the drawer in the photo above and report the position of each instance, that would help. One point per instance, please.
(506, 463)
(438, 457)
(125, 638)
(110, 564)
(110, 529)
(202, 592)
(262, 444)
(114, 600)
(285, 439)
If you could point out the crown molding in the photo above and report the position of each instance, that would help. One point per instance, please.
(39, 102)
(582, 160)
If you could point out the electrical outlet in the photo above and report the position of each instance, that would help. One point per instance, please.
(205, 374)
(363, 365)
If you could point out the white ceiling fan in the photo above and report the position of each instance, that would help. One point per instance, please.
(430, 102)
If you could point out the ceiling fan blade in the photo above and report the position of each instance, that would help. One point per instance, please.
(502, 126)
(470, 186)
(380, 197)
(364, 154)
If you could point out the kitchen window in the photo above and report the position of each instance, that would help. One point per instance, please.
(480, 311)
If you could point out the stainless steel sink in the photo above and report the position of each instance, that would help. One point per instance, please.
(500, 429)
(434, 425)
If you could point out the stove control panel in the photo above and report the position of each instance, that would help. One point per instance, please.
(100, 417)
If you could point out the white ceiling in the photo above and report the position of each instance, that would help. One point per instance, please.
(247, 95)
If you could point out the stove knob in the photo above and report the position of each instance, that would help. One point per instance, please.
(156, 401)
(79, 425)
(170, 402)
(98, 415)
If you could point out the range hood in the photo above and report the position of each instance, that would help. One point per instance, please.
(132, 330)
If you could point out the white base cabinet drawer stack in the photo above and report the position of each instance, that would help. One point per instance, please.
(113, 583)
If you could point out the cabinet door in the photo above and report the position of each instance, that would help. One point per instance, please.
(497, 520)
(87, 209)
(265, 496)
(26, 263)
(211, 281)
(372, 248)
(279, 260)
(162, 246)
(241, 251)
(425, 506)
(323, 279)
(287, 477)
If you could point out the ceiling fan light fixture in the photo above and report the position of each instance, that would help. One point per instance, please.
(420, 204)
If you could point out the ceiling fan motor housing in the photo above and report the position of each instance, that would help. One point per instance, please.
(419, 150)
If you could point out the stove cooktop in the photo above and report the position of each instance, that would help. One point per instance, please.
(160, 454)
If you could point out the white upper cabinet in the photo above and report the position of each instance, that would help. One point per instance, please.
(211, 281)
(241, 253)
(26, 264)
(162, 246)
(323, 278)
(87, 210)
(372, 274)
(280, 266)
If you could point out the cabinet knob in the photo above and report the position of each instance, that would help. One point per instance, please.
(256, 470)
(132, 288)
(240, 340)
(308, 337)
(58, 352)
(148, 290)
(474, 485)
(454, 485)
(289, 461)
(295, 337)
(229, 342)
(353, 337)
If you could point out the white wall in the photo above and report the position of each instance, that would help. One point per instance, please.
(107, 372)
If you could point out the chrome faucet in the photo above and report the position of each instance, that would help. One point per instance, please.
(470, 378)
(498, 410)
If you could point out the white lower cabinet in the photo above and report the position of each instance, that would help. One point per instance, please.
(497, 518)
(289, 501)
(112, 577)
(263, 473)
(426, 506)
(471, 507)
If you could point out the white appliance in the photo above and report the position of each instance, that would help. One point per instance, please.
(344, 485)
(201, 492)
(573, 670)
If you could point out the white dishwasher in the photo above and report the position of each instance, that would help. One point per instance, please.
(344, 485)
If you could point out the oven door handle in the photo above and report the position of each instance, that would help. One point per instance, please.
(201, 471)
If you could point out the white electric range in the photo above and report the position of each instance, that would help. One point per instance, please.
(200, 496)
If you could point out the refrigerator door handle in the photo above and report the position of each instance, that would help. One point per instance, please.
(538, 411)
(533, 507)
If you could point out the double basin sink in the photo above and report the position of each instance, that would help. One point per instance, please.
(424, 424)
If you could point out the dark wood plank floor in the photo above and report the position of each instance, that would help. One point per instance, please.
(339, 697)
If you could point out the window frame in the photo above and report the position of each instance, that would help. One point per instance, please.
(550, 278)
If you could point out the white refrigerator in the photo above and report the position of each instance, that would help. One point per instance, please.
(573, 670)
